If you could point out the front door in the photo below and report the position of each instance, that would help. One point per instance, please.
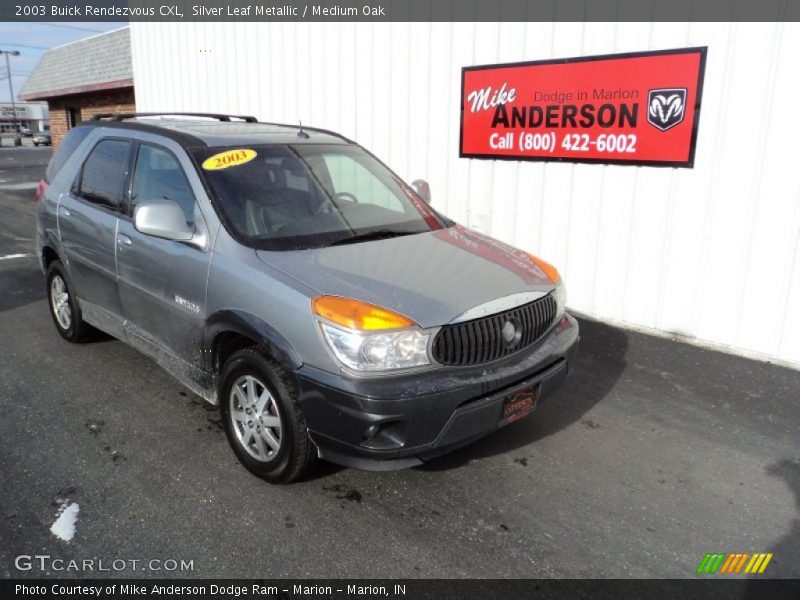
(162, 283)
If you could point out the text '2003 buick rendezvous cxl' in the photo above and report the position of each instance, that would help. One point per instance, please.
(287, 275)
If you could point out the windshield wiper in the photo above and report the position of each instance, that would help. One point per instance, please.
(377, 234)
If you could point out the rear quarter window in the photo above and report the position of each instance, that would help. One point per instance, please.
(65, 149)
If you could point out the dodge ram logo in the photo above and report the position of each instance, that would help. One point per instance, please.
(666, 107)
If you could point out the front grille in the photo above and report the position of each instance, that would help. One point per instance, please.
(481, 341)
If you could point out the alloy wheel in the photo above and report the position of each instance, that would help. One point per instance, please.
(59, 298)
(255, 418)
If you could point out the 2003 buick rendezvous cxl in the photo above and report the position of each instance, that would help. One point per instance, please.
(289, 276)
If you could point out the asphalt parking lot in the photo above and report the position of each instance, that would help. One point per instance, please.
(654, 453)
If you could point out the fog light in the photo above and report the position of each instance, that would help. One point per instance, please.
(372, 431)
(385, 435)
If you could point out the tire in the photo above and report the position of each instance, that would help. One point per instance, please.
(269, 436)
(64, 306)
(36, 144)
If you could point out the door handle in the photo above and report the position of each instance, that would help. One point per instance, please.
(123, 240)
(64, 211)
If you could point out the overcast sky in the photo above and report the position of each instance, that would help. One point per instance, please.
(32, 40)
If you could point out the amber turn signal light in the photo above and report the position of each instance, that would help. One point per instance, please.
(549, 270)
(355, 314)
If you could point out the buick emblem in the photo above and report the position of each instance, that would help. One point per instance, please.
(511, 333)
(666, 107)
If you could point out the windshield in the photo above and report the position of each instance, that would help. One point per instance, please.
(281, 197)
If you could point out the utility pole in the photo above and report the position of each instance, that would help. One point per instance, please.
(17, 138)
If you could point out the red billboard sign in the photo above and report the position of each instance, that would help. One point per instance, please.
(640, 109)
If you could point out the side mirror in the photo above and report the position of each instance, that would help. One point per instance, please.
(163, 219)
(423, 189)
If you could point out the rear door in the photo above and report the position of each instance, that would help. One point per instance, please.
(87, 221)
(162, 283)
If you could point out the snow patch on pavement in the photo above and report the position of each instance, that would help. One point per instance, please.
(7, 256)
(64, 527)
(28, 185)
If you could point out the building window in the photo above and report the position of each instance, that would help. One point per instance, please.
(73, 117)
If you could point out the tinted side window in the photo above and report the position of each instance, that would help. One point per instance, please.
(159, 175)
(68, 145)
(104, 173)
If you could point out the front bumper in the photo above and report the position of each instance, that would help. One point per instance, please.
(395, 422)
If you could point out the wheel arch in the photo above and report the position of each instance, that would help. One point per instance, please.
(49, 247)
(230, 330)
(48, 256)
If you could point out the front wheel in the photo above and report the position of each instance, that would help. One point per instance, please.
(263, 421)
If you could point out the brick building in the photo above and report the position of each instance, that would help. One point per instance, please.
(80, 79)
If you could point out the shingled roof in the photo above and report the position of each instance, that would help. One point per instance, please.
(100, 62)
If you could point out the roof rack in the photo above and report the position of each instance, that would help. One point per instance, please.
(218, 117)
(120, 117)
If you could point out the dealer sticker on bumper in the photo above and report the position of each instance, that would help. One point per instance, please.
(518, 405)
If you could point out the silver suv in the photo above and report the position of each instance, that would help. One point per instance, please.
(287, 275)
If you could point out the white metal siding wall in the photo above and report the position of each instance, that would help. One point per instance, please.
(711, 253)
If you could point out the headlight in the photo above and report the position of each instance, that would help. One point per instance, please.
(364, 351)
(366, 337)
(560, 295)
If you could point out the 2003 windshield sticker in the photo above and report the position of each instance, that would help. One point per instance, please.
(640, 109)
(229, 158)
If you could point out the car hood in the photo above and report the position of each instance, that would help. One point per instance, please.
(432, 278)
